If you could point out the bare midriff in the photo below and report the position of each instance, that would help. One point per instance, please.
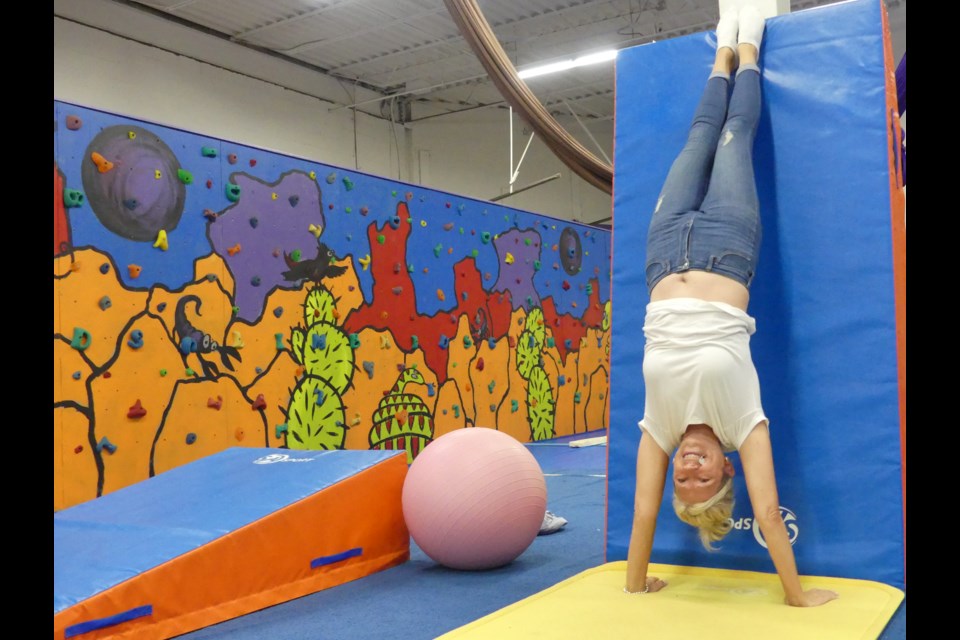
(702, 285)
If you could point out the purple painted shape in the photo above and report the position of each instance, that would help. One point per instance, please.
(517, 278)
(281, 226)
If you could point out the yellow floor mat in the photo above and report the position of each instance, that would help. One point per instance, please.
(697, 603)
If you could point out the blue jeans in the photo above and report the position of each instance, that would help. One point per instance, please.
(708, 215)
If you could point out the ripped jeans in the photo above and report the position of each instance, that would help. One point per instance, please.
(707, 217)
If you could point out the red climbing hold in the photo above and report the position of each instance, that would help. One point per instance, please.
(136, 411)
(259, 403)
(479, 364)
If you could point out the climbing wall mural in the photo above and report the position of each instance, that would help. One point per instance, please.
(211, 295)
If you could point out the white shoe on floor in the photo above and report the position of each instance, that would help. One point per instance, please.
(551, 523)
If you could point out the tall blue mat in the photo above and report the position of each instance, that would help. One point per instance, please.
(824, 299)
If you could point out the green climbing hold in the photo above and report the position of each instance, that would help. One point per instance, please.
(185, 176)
(280, 429)
(163, 373)
(233, 192)
(348, 183)
(485, 237)
(526, 241)
(437, 250)
(72, 198)
(474, 253)
(295, 255)
(536, 265)
(81, 339)
(381, 238)
(208, 152)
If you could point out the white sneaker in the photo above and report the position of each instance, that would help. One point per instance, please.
(551, 523)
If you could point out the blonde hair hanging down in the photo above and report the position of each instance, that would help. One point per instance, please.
(710, 517)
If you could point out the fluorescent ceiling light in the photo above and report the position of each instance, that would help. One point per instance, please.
(593, 58)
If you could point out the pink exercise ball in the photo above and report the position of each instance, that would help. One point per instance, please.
(474, 499)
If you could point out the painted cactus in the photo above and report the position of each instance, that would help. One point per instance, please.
(315, 415)
(402, 421)
(540, 405)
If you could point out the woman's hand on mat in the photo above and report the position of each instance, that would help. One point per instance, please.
(652, 585)
(813, 598)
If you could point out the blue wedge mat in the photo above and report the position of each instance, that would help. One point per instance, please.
(101, 543)
(825, 347)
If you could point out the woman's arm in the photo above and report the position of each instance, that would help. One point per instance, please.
(652, 465)
(756, 456)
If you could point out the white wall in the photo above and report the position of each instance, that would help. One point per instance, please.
(96, 69)
(469, 153)
(112, 57)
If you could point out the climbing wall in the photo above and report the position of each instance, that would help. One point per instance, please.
(212, 295)
(829, 296)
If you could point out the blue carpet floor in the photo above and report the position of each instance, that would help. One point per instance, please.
(420, 600)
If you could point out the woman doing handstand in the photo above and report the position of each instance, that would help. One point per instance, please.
(702, 390)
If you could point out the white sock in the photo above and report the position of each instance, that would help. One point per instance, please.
(727, 31)
(751, 26)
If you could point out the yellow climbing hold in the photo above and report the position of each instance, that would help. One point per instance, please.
(384, 342)
(237, 340)
(509, 258)
(441, 295)
(423, 223)
(131, 134)
(364, 261)
(315, 229)
(313, 175)
(273, 196)
(161, 242)
(157, 174)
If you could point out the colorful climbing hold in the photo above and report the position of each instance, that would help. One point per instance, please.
(368, 367)
(106, 444)
(315, 229)
(479, 364)
(232, 158)
(184, 176)
(81, 339)
(508, 258)
(136, 339)
(444, 341)
(191, 438)
(72, 198)
(354, 341)
(215, 403)
(441, 296)
(136, 411)
(259, 404)
(74, 123)
(234, 250)
(279, 341)
(103, 165)
(233, 192)
(437, 250)
(161, 242)
(381, 238)
(104, 303)
(348, 183)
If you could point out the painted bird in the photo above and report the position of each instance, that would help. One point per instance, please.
(314, 270)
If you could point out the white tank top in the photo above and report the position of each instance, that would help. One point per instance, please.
(697, 369)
